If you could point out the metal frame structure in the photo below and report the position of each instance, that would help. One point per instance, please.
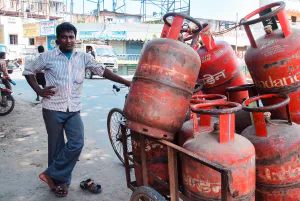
(119, 6)
(165, 6)
(173, 154)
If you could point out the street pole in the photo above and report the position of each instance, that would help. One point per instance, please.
(71, 11)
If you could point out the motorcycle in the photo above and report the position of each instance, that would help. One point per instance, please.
(7, 102)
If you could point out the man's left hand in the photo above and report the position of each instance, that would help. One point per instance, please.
(128, 83)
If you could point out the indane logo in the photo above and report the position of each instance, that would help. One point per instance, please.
(270, 82)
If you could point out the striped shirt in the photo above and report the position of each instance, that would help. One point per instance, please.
(66, 75)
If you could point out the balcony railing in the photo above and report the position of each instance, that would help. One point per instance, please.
(128, 58)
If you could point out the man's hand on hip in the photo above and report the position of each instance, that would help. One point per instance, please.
(47, 92)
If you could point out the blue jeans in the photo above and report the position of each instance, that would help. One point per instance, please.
(62, 157)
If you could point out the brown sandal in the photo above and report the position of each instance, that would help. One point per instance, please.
(62, 190)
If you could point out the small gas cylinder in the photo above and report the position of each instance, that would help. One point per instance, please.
(243, 117)
(273, 59)
(163, 83)
(157, 162)
(221, 146)
(219, 67)
(206, 122)
(277, 146)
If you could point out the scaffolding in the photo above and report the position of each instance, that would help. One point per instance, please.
(163, 7)
(119, 6)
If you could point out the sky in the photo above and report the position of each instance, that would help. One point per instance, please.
(208, 9)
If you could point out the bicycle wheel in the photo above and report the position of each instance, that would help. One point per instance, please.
(145, 193)
(114, 117)
(7, 104)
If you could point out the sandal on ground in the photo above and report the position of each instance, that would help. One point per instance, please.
(62, 190)
(91, 186)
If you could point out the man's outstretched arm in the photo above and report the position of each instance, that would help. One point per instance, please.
(99, 69)
(108, 74)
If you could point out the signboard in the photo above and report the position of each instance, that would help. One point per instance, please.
(106, 35)
(51, 42)
(47, 28)
(11, 20)
(31, 30)
(1, 34)
(40, 41)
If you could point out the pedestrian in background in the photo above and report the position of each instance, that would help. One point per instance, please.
(40, 77)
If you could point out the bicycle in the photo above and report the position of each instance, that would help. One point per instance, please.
(115, 116)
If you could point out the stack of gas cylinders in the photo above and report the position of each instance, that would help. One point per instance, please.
(251, 129)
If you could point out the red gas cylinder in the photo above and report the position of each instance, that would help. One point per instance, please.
(244, 118)
(157, 162)
(222, 146)
(191, 128)
(273, 59)
(219, 67)
(277, 146)
(163, 83)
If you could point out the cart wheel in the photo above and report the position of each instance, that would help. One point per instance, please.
(144, 193)
(114, 117)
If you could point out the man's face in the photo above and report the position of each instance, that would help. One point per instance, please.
(66, 41)
(4, 56)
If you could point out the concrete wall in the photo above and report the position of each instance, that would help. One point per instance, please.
(14, 25)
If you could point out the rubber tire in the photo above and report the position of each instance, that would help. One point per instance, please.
(12, 106)
(147, 191)
(88, 74)
(111, 112)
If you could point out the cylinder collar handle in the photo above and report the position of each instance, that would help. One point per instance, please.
(258, 112)
(172, 29)
(245, 87)
(227, 117)
(205, 120)
(207, 38)
(279, 12)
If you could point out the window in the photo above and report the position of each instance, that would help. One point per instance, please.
(31, 41)
(294, 19)
(13, 39)
(227, 25)
(12, 3)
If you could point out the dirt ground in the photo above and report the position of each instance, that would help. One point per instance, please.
(23, 156)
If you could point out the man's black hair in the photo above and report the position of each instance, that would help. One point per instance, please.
(2, 54)
(65, 27)
(41, 49)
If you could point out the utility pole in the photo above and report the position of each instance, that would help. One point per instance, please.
(71, 10)
(83, 7)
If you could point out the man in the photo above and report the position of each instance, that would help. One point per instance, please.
(40, 77)
(91, 52)
(64, 72)
(3, 70)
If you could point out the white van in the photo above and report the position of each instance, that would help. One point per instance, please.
(103, 53)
